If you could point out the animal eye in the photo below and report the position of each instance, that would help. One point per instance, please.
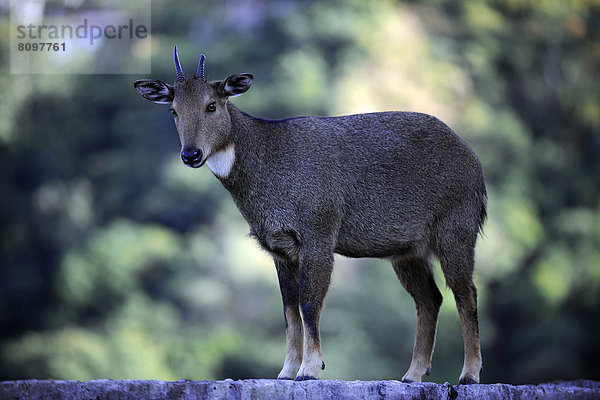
(173, 112)
(212, 107)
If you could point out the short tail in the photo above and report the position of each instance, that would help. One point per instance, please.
(483, 210)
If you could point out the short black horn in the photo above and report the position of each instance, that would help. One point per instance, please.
(200, 71)
(178, 69)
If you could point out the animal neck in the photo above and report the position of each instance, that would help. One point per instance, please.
(241, 154)
(221, 162)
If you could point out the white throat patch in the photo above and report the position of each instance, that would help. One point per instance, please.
(222, 161)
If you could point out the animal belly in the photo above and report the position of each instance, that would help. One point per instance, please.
(364, 243)
(372, 229)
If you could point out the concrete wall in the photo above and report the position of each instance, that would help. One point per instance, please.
(273, 389)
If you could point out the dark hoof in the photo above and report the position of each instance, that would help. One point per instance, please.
(467, 381)
(323, 365)
(428, 372)
(305, 378)
(407, 381)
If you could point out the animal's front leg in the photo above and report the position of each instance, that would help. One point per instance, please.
(315, 275)
(289, 285)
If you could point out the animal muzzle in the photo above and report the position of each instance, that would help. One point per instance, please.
(192, 157)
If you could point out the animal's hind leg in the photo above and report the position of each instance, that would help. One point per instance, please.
(417, 278)
(457, 259)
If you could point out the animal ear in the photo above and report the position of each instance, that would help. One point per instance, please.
(155, 90)
(234, 85)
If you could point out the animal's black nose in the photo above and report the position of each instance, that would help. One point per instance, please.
(192, 157)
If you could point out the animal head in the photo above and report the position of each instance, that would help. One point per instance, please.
(199, 108)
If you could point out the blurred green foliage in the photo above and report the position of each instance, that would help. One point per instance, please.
(119, 262)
